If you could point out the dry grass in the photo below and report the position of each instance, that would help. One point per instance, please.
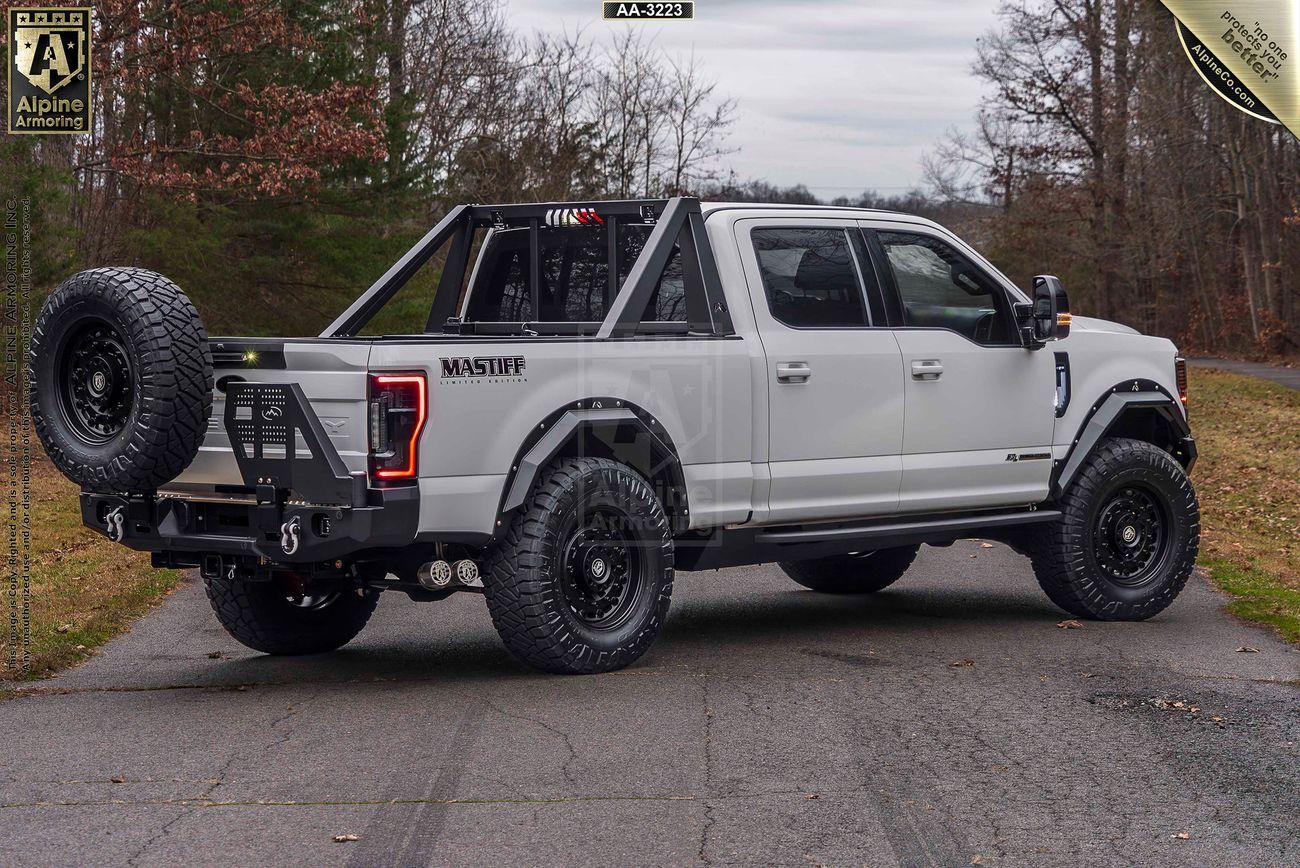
(1248, 433)
(85, 590)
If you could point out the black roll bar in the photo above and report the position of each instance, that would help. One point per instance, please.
(678, 222)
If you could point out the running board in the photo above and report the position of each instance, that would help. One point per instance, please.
(758, 545)
(941, 527)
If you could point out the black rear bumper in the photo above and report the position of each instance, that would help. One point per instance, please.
(187, 528)
(287, 462)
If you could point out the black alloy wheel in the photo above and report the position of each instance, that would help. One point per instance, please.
(1130, 537)
(96, 382)
(601, 575)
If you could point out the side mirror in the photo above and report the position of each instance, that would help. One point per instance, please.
(1049, 318)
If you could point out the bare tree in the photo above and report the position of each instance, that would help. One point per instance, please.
(697, 126)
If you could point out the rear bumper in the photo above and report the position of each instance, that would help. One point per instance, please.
(183, 526)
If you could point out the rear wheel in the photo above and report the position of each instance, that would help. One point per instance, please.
(582, 578)
(1128, 536)
(857, 573)
(276, 617)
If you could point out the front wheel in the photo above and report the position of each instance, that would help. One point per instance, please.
(581, 580)
(1128, 536)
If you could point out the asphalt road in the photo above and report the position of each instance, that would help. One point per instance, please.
(946, 721)
(1276, 373)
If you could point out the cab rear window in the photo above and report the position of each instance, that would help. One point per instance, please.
(574, 276)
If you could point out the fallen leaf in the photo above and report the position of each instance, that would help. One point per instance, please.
(977, 859)
(1216, 718)
(214, 655)
(811, 796)
(343, 839)
(985, 546)
(1181, 836)
(79, 648)
(959, 664)
(1070, 624)
(63, 628)
(1246, 649)
(118, 780)
(1176, 705)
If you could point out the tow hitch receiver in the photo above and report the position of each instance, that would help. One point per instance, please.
(280, 445)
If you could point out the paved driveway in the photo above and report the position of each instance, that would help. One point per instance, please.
(1285, 376)
(946, 721)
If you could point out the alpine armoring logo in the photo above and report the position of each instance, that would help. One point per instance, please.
(484, 367)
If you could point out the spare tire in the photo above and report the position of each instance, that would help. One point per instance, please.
(121, 379)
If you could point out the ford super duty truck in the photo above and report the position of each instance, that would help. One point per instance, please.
(598, 394)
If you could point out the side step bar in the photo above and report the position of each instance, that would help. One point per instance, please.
(761, 545)
(895, 531)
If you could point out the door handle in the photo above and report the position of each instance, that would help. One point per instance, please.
(793, 372)
(927, 369)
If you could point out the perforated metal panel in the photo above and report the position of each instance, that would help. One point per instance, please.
(278, 441)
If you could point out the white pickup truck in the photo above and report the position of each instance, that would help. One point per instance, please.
(599, 393)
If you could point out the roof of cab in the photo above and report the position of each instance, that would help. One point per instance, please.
(879, 213)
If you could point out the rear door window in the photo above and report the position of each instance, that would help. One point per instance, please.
(810, 277)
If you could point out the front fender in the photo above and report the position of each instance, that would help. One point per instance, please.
(1108, 416)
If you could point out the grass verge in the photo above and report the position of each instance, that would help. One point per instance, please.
(1248, 433)
(84, 591)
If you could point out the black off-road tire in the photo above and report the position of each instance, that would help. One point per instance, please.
(261, 616)
(1070, 556)
(538, 604)
(152, 353)
(863, 573)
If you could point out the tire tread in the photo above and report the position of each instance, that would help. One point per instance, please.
(1058, 554)
(174, 388)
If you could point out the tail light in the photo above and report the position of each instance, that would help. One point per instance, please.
(1180, 377)
(399, 405)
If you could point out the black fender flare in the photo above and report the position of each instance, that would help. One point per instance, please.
(1108, 412)
(621, 430)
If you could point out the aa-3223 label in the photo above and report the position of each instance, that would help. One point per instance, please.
(646, 11)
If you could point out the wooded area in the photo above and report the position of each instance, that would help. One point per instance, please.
(1108, 160)
(274, 157)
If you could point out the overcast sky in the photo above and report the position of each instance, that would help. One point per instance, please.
(836, 94)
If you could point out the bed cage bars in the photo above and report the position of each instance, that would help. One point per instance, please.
(678, 221)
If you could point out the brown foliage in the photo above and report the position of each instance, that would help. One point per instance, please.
(1107, 159)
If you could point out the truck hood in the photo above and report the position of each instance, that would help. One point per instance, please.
(1092, 324)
